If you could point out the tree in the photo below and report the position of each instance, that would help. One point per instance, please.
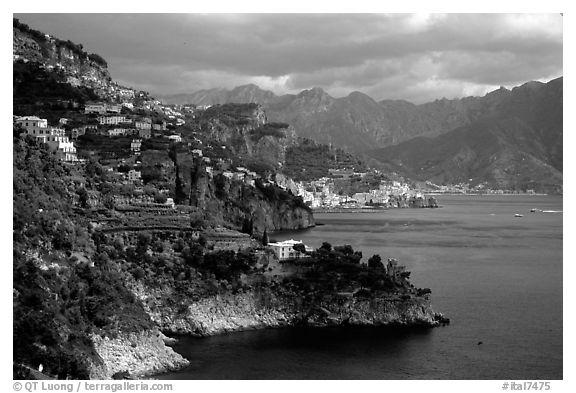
(93, 168)
(265, 238)
(375, 262)
(247, 226)
(160, 198)
(326, 246)
(108, 202)
(346, 249)
(300, 248)
(82, 197)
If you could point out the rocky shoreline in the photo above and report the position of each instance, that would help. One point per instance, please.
(271, 308)
(135, 355)
(143, 354)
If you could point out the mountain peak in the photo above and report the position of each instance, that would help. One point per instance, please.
(248, 86)
(359, 96)
(314, 92)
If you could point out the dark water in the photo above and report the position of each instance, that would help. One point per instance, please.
(498, 278)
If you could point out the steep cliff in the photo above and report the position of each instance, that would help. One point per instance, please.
(72, 312)
(233, 202)
(246, 131)
(135, 354)
(278, 306)
(246, 139)
(81, 68)
(77, 67)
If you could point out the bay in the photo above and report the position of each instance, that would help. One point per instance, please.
(496, 276)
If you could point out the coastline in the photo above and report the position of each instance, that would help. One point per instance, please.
(276, 308)
(367, 210)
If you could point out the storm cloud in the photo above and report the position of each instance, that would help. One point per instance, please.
(394, 56)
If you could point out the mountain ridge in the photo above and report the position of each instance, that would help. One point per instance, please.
(517, 146)
(357, 122)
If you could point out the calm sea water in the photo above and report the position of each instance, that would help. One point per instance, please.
(497, 277)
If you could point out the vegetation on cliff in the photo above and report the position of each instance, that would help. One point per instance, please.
(338, 269)
(268, 129)
(45, 92)
(43, 41)
(230, 114)
(59, 297)
(309, 160)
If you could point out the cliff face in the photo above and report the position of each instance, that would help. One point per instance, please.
(140, 354)
(78, 67)
(246, 130)
(276, 307)
(250, 141)
(235, 202)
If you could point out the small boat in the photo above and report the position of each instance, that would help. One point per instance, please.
(518, 215)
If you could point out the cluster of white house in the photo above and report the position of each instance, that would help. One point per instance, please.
(54, 137)
(322, 192)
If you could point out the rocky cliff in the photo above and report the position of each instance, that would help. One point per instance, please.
(250, 141)
(78, 67)
(278, 306)
(245, 129)
(135, 354)
(233, 202)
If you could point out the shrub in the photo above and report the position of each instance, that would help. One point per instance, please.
(375, 262)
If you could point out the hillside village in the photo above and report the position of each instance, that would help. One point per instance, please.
(107, 122)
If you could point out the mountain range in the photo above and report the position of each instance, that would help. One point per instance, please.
(516, 144)
(507, 138)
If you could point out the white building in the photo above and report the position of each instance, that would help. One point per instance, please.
(95, 107)
(57, 142)
(65, 150)
(175, 138)
(135, 145)
(54, 137)
(113, 108)
(29, 122)
(117, 132)
(285, 249)
(134, 175)
(113, 120)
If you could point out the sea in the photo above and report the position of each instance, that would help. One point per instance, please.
(498, 277)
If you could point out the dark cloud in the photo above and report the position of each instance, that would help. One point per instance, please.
(412, 57)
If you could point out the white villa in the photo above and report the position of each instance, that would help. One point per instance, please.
(32, 122)
(285, 249)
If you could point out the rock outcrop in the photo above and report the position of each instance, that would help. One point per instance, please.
(234, 202)
(277, 307)
(78, 67)
(134, 354)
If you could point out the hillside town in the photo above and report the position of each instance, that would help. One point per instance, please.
(112, 124)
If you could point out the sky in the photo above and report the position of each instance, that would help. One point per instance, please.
(415, 57)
